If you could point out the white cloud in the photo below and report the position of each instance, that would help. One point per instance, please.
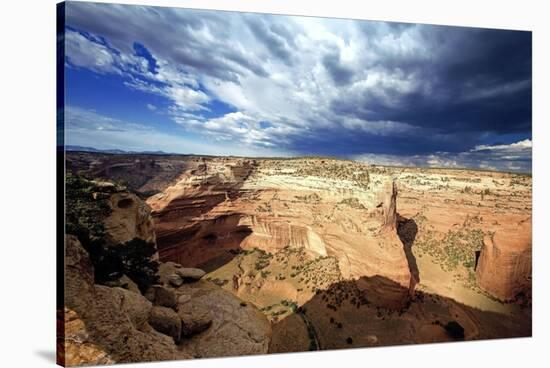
(88, 128)
(488, 157)
(83, 52)
(241, 69)
(524, 145)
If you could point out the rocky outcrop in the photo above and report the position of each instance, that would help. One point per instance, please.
(204, 220)
(166, 321)
(104, 324)
(78, 347)
(161, 296)
(130, 218)
(193, 320)
(236, 328)
(504, 265)
(389, 283)
(389, 205)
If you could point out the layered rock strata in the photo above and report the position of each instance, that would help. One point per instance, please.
(504, 265)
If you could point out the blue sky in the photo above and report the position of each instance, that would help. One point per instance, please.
(187, 81)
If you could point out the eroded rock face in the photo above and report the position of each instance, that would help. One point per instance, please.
(130, 218)
(210, 215)
(107, 325)
(234, 329)
(79, 348)
(389, 202)
(193, 320)
(161, 296)
(504, 265)
(166, 321)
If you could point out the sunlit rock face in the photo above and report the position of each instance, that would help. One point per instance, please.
(130, 218)
(504, 268)
(226, 206)
(107, 325)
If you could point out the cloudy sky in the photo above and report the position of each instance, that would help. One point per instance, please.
(226, 83)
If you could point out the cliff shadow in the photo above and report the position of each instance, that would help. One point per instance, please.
(143, 174)
(407, 230)
(375, 311)
(209, 243)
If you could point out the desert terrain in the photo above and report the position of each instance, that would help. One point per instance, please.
(336, 253)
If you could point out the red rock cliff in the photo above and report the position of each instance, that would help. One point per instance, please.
(504, 266)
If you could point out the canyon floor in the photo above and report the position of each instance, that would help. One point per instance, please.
(340, 254)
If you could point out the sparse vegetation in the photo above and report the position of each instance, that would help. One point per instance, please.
(457, 247)
(264, 258)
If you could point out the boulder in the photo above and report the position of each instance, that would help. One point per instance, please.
(124, 282)
(169, 272)
(234, 330)
(134, 305)
(194, 320)
(175, 280)
(166, 321)
(161, 296)
(190, 274)
(105, 325)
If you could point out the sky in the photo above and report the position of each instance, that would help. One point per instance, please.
(141, 78)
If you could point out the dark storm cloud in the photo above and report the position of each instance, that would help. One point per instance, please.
(319, 86)
(172, 33)
(470, 80)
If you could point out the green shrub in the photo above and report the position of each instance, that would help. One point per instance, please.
(132, 259)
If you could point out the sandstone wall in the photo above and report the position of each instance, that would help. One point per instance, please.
(504, 265)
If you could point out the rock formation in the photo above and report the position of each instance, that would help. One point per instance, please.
(107, 325)
(204, 220)
(130, 218)
(114, 323)
(389, 205)
(504, 265)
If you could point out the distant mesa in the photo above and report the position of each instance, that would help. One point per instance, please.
(112, 151)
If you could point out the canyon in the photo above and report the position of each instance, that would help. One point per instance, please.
(324, 253)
